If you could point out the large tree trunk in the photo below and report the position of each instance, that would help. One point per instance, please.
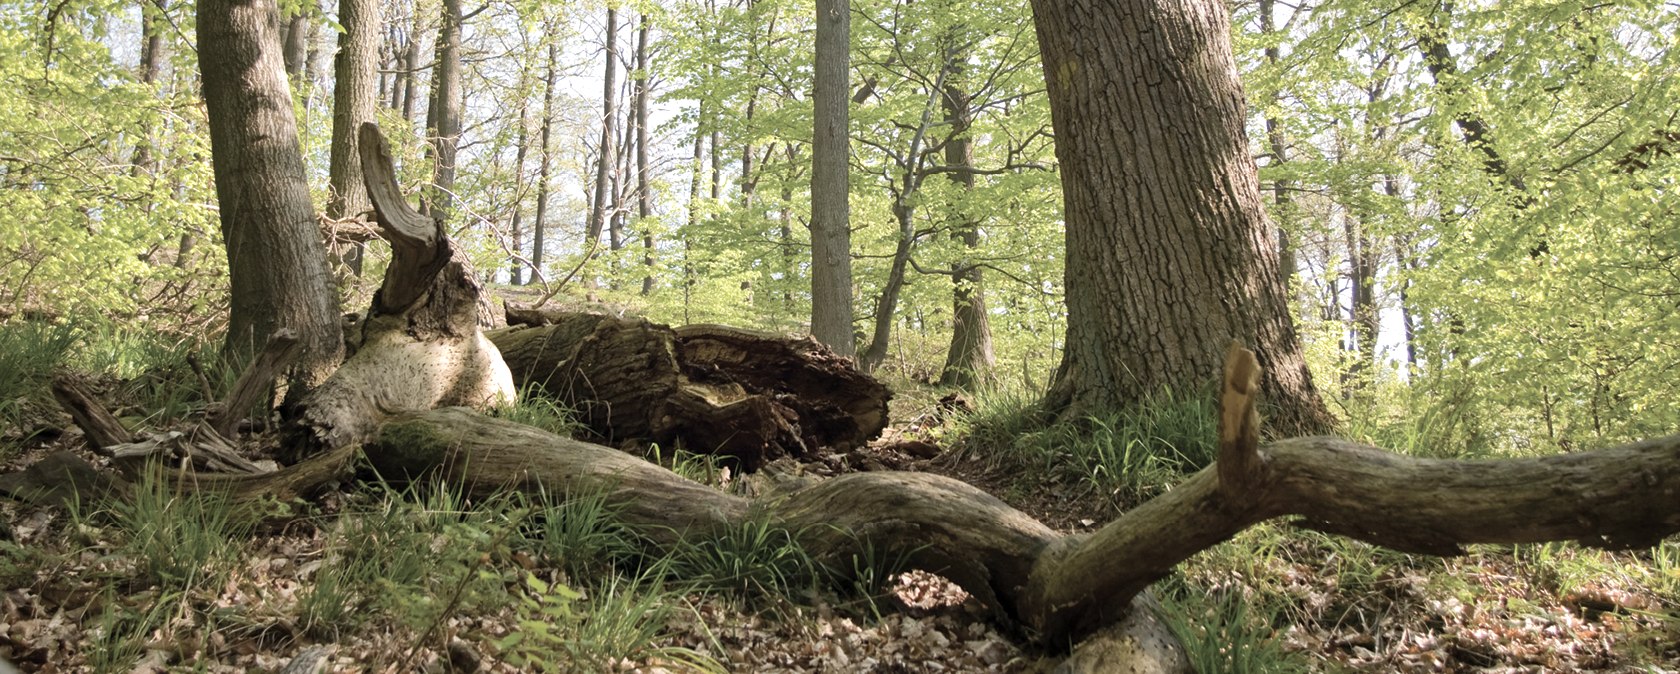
(749, 396)
(1169, 252)
(831, 238)
(277, 265)
(644, 173)
(353, 106)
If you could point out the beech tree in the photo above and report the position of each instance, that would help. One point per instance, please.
(1169, 250)
(277, 264)
(831, 262)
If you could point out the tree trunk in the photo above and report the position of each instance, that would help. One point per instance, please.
(644, 174)
(353, 106)
(1283, 205)
(604, 159)
(1169, 253)
(747, 396)
(539, 225)
(277, 266)
(295, 36)
(411, 62)
(831, 238)
(969, 361)
(153, 54)
(522, 145)
(444, 122)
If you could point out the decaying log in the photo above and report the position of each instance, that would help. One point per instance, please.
(748, 396)
(255, 382)
(204, 449)
(420, 345)
(101, 428)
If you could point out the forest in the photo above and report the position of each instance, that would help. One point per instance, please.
(839, 336)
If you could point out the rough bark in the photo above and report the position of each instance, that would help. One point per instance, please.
(99, 426)
(970, 359)
(831, 238)
(153, 54)
(748, 396)
(353, 105)
(277, 265)
(420, 346)
(1169, 251)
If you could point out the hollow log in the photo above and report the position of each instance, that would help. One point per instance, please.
(751, 397)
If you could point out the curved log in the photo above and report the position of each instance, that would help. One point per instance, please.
(1063, 588)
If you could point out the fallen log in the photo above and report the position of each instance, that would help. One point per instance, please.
(748, 396)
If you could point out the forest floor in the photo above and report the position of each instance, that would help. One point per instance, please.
(378, 579)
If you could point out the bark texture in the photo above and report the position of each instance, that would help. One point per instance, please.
(748, 396)
(970, 359)
(1169, 250)
(831, 238)
(277, 265)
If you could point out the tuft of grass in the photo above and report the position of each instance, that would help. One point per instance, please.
(402, 558)
(178, 538)
(755, 558)
(29, 353)
(562, 629)
(537, 410)
(1224, 633)
(582, 533)
(124, 632)
(1127, 456)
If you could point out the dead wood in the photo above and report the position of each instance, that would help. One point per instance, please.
(748, 396)
(256, 382)
(101, 428)
(420, 345)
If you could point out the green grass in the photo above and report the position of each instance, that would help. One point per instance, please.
(581, 534)
(178, 538)
(533, 408)
(1225, 633)
(617, 620)
(1126, 456)
(755, 558)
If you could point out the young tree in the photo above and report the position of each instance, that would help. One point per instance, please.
(277, 266)
(444, 117)
(1169, 252)
(599, 208)
(831, 240)
(353, 105)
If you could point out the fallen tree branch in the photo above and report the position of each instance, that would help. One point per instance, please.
(101, 428)
(255, 381)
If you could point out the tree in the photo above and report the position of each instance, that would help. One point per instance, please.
(599, 207)
(277, 265)
(1169, 253)
(353, 105)
(969, 360)
(443, 119)
(831, 240)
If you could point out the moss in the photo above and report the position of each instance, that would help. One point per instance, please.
(413, 445)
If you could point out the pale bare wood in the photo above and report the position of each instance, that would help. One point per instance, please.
(1239, 422)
